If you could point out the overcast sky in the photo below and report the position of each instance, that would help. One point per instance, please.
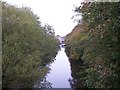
(56, 13)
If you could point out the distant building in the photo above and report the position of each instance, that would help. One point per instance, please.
(61, 39)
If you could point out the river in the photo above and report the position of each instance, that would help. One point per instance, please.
(60, 71)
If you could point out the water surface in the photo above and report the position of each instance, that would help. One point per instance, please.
(60, 71)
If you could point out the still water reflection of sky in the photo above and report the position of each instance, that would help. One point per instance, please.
(60, 71)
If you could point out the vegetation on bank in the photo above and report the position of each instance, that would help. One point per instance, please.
(27, 47)
(94, 46)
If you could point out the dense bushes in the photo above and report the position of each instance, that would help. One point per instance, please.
(27, 47)
(97, 45)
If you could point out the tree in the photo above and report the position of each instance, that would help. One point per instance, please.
(101, 47)
(25, 48)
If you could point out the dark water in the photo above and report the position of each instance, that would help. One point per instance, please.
(60, 73)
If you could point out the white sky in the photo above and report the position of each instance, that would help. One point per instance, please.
(56, 13)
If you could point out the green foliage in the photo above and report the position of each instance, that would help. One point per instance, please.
(27, 47)
(100, 49)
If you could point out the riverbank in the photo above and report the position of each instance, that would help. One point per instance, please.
(94, 46)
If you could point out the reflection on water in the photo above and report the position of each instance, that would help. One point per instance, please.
(60, 71)
(76, 82)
